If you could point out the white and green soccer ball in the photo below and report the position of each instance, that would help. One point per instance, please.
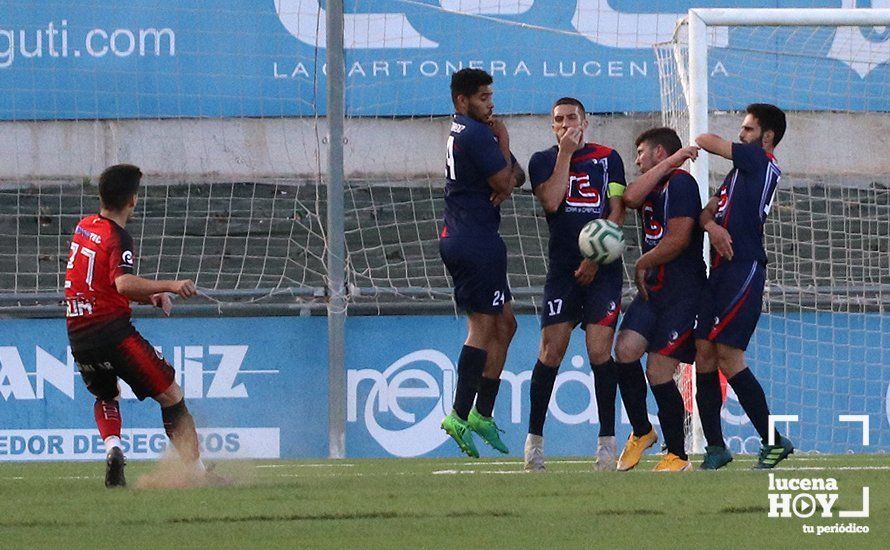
(601, 241)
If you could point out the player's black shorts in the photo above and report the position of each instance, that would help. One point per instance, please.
(666, 324)
(478, 268)
(566, 301)
(731, 303)
(134, 360)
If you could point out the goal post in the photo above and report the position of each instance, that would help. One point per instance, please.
(698, 22)
(827, 286)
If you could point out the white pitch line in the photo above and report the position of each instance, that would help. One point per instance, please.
(460, 472)
(332, 465)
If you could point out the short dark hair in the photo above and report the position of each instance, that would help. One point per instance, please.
(770, 117)
(569, 101)
(467, 82)
(666, 137)
(118, 184)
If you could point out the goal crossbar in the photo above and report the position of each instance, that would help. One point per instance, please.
(698, 22)
(699, 19)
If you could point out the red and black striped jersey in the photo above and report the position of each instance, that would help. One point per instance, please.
(97, 313)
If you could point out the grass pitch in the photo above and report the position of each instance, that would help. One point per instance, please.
(442, 503)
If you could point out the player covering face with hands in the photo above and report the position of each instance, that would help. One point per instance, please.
(576, 181)
(480, 173)
(99, 285)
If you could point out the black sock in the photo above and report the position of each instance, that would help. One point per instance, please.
(670, 415)
(540, 391)
(710, 401)
(632, 382)
(180, 428)
(488, 392)
(469, 372)
(753, 401)
(605, 385)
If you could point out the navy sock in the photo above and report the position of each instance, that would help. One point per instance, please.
(753, 401)
(632, 382)
(670, 414)
(605, 386)
(710, 401)
(543, 378)
(469, 372)
(488, 392)
(180, 427)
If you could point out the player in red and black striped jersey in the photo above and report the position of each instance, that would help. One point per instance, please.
(99, 286)
(730, 308)
(670, 277)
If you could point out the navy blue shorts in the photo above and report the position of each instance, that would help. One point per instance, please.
(666, 324)
(731, 304)
(599, 303)
(478, 269)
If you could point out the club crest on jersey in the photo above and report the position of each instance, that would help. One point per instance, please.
(674, 335)
(582, 193)
(127, 257)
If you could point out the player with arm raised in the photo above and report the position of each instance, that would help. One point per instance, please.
(730, 308)
(480, 174)
(99, 285)
(670, 276)
(576, 182)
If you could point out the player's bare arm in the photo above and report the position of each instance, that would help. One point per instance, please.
(502, 182)
(679, 234)
(586, 272)
(518, 175)
(552, 192)
(636, 192)
(617, 210)
(718, 235)
(142, 290)
(715, 144)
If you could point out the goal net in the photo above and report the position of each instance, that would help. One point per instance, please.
(824, 334)
(234, 154)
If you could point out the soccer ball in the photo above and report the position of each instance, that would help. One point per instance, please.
(601, 241)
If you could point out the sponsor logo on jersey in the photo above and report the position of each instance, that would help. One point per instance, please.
(653, 228)
(582, 193)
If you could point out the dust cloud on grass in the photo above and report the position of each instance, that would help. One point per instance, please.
(171, 472)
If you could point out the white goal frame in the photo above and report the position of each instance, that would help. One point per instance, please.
(698, 22)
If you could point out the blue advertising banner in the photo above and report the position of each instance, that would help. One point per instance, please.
(816, 366)
(242, 58)
(249, 382)
(258, 388)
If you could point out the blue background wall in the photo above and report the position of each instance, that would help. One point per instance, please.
(239, 58)
(271, 374)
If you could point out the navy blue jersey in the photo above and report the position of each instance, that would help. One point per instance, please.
(676, 196)
(472, 156)
(745, 199)
(592, 169)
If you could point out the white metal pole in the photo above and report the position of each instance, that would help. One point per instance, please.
(698, 124)
(793, 17)
(336, 241)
